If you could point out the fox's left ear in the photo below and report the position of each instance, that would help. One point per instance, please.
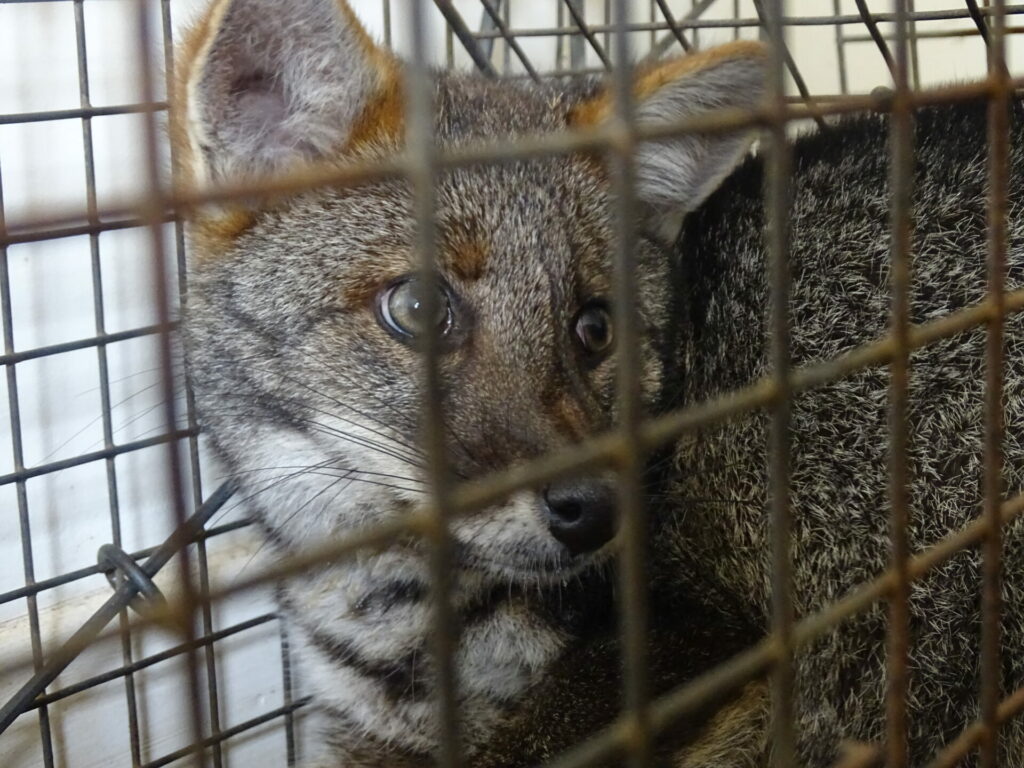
(264, 85)
(675, 175)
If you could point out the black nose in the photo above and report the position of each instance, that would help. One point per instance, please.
(581, 514)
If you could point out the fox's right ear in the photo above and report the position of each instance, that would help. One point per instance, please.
(264, 85)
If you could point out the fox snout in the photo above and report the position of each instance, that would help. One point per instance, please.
(580, 513)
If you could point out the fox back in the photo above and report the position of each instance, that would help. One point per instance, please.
(716, 543)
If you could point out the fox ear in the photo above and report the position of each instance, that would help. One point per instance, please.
(262, 85)
(675, 175)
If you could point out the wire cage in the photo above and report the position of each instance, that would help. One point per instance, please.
(105, 452)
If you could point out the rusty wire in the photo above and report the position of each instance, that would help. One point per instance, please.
(597, 452)
(791, 67)
(998, 171)
(778, 167)
(631, 455)
(423, 172)
(690, 697)
(901, 179)
(68, 223)
(151, 213)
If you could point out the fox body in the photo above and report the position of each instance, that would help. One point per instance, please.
(301, 329)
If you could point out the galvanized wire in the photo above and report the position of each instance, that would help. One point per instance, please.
(59, 659)
(24, 527)
(101, 359)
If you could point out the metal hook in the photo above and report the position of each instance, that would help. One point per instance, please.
(114, 559)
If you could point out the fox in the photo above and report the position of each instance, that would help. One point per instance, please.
(303, 322)
(301, 326)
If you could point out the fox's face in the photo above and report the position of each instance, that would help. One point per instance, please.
(305, 317)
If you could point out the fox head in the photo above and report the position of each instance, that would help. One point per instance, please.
(303, 314)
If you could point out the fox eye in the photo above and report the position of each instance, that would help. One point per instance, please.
(593, 329)
(402, 312)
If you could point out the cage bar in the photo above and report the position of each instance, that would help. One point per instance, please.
(901, 165)
(992, 484)
(101, 359)
(151, 211)
(600, 452)
(24, 526)
(423, 176)
(777, 208)
(494, 15)
(632, 514)
(497, 152)
(192, 428)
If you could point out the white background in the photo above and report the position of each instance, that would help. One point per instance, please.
(43, 172)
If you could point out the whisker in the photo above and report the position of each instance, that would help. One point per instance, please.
(274, 482)
(363, 442)
(415, 458)
(318, 469)
(296, 466)
(353, 409)
(389, 406)
(292, 516)
(94, 421)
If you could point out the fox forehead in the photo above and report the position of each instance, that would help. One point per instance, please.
(467, 109)
(471, 107)
(498, 222)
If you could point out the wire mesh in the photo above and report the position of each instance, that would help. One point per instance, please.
(584, 43)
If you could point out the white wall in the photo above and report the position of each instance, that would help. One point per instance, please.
(42, 171)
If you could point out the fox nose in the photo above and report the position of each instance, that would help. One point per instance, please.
(580, 514)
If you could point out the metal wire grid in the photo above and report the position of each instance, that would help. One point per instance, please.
(198, 640)
(622, 450)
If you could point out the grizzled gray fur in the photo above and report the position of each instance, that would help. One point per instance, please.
(716, 540)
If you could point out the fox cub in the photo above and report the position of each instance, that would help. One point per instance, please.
(302, 325)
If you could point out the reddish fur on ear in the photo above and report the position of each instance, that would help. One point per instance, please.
(189, 54)
(213, 230)
(214, 233)
(675, 174)
(649, 80)
(378, 123)
(383, 119)
(382, 123)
